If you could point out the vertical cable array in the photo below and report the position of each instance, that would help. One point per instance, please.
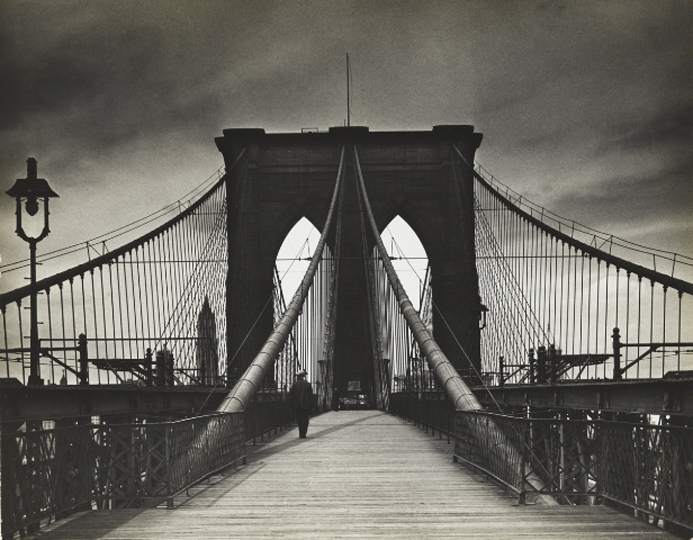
(307, 340)
(163, 292)
(556, 291)
(328, 368)
(380, 369)
(558, 294)
(404, 368)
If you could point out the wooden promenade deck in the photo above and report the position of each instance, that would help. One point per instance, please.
(359, 474)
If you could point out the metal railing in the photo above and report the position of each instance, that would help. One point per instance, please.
(268, 413)
(643, 467)
(48, 474)
(428, 410)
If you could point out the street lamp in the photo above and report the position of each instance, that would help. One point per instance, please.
(481, 314)
(31, 189)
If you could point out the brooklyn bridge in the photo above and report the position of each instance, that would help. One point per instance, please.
(538, 382)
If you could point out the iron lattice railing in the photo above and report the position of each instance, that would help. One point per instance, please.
(50, 473)
(429, 410)
(647, 468)
(269, 412)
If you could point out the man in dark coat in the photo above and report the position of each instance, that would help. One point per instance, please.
(301, 401)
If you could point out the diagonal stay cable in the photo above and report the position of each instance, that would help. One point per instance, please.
(252, 329)
(486, 387)
(455, 388)
(242, 393)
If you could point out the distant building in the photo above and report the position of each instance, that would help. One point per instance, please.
(207, 358)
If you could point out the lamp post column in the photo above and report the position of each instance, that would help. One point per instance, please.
(34, 365)
(31, 190)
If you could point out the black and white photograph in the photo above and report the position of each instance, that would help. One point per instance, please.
(334, 269)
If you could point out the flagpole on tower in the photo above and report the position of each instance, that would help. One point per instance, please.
(348, 81)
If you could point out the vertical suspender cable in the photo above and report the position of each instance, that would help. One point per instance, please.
(127, 301)
(4, 334)
(678, 337)
(664, 325)
(119, 309)
(84, 310)
(638, 335)
(104, 316)
(21, 335)
(50, 330)
(589, 305)
(598, 295)
(652, 284)
(142, 302)
(62, 318)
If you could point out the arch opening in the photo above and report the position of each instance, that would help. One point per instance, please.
(409, 258)
(294, 255)
(305, 348)
(403, 366)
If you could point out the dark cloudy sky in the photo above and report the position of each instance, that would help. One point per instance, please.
(586, 106)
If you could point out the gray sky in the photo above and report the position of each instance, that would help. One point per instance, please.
(586, 106)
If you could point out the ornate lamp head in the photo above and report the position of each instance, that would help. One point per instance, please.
(31, 189)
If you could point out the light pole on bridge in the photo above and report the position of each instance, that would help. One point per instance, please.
(30, 190)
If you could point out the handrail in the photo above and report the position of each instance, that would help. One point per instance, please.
(176, 460)
(580, 228)
(654, 276)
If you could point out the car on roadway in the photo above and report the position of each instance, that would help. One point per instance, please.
(354, 400)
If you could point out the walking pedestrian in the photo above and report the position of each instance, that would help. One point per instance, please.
(301, 401)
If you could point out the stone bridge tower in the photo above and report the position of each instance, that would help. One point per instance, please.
(281, 177)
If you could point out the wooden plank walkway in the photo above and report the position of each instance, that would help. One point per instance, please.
(359, 474)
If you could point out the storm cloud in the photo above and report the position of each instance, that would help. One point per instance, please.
(586, 106)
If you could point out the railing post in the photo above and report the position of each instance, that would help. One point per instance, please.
(83, 360)
(148, 364)
(561, 455)
(164, 368)
(501, 371)
(525, 457)
(131, 489)
(532, 369)
(541, 364)
(616, 344)
(451, 420)
(207, 457)
(553, 364)
(169, 472)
